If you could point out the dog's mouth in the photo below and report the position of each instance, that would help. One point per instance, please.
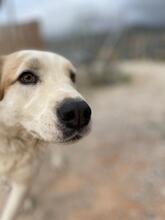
(66, 135)
(72, 136)
(35, 134)
(72, 139)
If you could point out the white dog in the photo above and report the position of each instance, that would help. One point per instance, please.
(38, 104)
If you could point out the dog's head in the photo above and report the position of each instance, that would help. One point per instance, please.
(37, 91)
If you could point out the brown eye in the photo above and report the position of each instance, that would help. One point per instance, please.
(73, 76)
(28, 77)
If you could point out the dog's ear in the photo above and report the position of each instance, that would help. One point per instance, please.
(2, 60)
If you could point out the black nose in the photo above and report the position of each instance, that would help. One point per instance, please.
(74, 114)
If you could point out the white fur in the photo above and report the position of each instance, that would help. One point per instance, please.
(28, 119)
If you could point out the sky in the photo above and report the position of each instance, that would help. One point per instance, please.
(61, 16)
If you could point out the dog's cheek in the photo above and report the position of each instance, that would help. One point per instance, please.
(44, 128)
(48, 130)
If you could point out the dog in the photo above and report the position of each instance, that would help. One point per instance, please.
(39, 104)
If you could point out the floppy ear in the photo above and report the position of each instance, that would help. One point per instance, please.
(2, 60)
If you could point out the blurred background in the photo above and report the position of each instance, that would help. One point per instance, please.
(118, 46)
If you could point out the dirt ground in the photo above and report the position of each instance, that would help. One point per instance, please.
(118, 171)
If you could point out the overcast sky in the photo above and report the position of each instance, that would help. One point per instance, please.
(59, 16)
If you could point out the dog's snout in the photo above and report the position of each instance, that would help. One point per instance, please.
(74, 114)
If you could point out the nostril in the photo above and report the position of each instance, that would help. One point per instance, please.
(67, 116)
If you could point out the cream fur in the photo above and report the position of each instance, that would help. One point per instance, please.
(28, 113)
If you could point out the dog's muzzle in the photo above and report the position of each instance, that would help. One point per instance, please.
(74, 116)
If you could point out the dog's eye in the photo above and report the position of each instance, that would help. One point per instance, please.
(72, 76)
(28, 77)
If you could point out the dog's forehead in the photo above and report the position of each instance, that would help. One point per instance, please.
(34, 59)
(40, 59)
